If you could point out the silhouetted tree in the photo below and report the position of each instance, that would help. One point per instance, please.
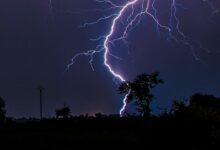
(206, 106)
(204, 100)
(63, 112)
(140, 90)
(2, 110)
(100, 115)
(200, 106)
(179, 108)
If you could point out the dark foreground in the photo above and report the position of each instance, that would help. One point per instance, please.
(164, 132)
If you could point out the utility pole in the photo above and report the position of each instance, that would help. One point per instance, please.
(40, 89)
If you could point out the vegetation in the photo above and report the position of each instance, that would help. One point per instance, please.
(64, 112)
(193, 124)
(201, 106)
(141, 90)
(2, 110)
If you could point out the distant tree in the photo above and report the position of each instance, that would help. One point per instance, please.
(204, 100)
(200, 106)
(206, 106)
(100, 115)
(178, 107)
(140, 89)
(2, 110)
(64, 112)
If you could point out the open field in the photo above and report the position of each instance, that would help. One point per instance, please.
(152, 133)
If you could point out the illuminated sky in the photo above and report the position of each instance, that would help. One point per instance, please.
(37, 43)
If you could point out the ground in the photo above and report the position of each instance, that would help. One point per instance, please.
(151, 133)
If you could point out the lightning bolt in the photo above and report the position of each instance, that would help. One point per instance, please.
(212, 7)
(130, 15)
(50, 5)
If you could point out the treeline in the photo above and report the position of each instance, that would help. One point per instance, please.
(188, 125)
(192, 124)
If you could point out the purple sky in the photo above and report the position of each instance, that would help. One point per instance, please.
(37, 43)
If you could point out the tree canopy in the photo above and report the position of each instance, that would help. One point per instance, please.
(140, 89)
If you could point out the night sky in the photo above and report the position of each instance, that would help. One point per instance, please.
(36, 44)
